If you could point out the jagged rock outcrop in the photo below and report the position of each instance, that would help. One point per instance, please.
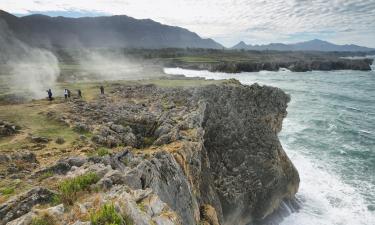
(209, 155)
(300, 65)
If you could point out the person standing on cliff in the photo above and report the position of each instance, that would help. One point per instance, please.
(49, 92)
(66, 93)
(79, 93)
(102, 90)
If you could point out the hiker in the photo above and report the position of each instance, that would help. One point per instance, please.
(49, 92)
(102, 90)
(69, 93)
(66, 94)
(79, 93)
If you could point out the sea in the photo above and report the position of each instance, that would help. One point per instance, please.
(329, 134)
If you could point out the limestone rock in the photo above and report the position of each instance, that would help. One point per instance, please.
(22, 204)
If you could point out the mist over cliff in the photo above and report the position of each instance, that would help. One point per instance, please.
(29, 69)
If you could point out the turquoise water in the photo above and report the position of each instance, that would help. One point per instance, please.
(329, 134)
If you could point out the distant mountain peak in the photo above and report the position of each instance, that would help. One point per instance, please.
(240, 45)
(6, 14)
(312, 45)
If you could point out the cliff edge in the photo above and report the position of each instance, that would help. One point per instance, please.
(198, 155)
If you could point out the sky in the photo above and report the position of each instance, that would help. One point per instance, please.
(231, 21)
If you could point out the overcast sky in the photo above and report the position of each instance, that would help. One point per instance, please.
(230, 21)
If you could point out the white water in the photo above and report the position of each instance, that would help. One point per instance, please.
(330, 195)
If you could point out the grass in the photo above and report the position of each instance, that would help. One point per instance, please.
(181, 83)
(44, 219)
(46, 175)
(103, 151)
(142, 206)
(32, 119)
(70, 188)
(7, 191)
(106, 215)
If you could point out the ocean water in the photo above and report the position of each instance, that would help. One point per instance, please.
(329, 134)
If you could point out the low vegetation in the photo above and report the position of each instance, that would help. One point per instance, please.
(107, 215)
(103, 151)
(7, 191)
(44, 219)
(70, 188)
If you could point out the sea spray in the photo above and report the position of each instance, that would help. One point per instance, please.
(31, 70)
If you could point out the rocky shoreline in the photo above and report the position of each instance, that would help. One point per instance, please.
(294, 66)
(200, 155)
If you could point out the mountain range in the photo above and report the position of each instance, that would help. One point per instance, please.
(106, 31)
(313, 45)
(127, 32)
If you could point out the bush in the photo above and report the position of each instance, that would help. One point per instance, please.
(45, 219)
(71, 187)
(106, 215)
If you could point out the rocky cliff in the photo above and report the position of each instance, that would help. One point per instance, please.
(203, 155)
(294, 65)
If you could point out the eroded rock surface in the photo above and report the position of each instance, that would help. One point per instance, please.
(204, 155)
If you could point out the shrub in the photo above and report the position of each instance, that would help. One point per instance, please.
(106, 215)
(102, 152)
(71, 187)
(45, 219)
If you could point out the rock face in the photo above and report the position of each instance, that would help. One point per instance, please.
(251, 172)
(209, 155)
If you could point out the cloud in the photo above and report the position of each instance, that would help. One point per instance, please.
(255, 21)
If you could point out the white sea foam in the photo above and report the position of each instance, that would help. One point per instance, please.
(326, 199)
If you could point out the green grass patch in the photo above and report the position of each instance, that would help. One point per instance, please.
(70, 188)
(103, 151)
(31, 120)
(46, 175)
(106, 215)
(7, 191)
